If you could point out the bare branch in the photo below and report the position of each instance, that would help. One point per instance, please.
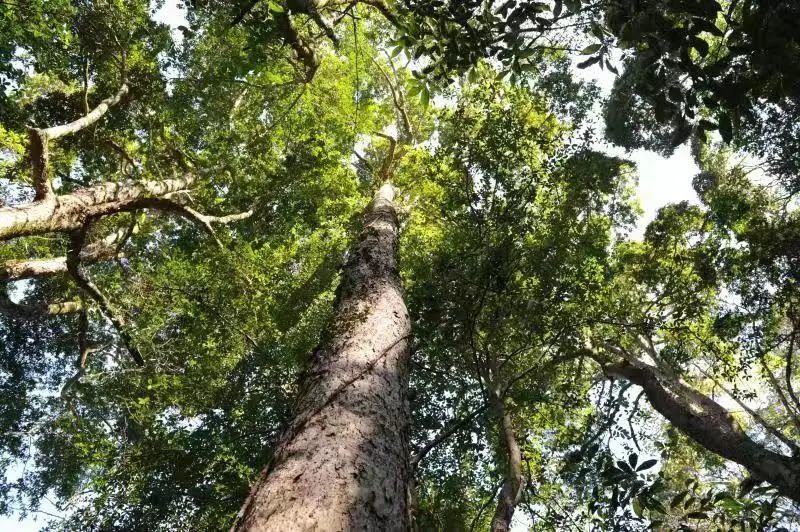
(96, 114)
(204, 221)
(72, 210)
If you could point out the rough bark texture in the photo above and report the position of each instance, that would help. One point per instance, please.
(343, 462)
(511, 492)
(71, 211)
(713, 427)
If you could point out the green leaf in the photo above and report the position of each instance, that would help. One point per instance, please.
(701, 24)
(676, 501)
(700, 45)
(633, 458)
(592, 48)
(624, 466)
(647, 464)
(637, 507)
(425, 96)
(589, 62)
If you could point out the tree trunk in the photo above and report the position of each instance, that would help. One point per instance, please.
(712, 426)
(71, 211)
(343, 462)
(511, 492)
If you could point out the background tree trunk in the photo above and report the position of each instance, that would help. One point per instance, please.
(343, 462)
(511, 492)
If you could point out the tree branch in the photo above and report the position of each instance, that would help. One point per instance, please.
(384, 10)
(40, 138)
(712, 426)
(33, 312)
(106, 249)
(72, 210)
(204, 221)
(513, 481)
(752, 413)
(96, 114)
(84, 283)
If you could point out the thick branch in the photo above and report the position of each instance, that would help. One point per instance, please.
(788, 374)
(713, 427)
(302, 49)
(790, 409)
(109, 248)
(384, 10)
(40, 156)
(85, 284)
(71, 211)
(40, 138)
(752, 413)
(386, 167)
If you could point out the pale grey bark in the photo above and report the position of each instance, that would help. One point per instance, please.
(40, 138)
(343, 462)
(69, 212)
(96, 114)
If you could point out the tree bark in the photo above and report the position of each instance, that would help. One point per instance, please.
(712, 426)
(511, 491)
(16, 270)
(32, 312)
(69, 212)
(343, 462)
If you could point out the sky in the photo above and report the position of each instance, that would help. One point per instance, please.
(662, 181)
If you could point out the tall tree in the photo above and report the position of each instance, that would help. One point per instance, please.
(342, 463)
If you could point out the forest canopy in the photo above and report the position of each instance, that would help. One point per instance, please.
(373, 265)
